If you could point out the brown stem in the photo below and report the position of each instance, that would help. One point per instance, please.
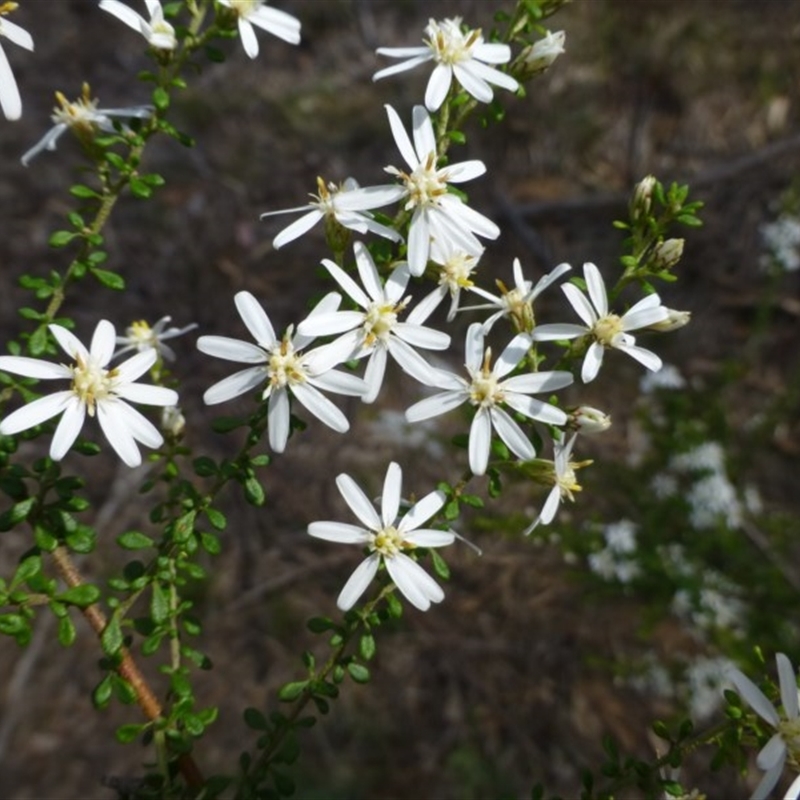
(127, 668)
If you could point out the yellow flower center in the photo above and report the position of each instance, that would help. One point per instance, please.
(244, 8)
(449, 44)
(424, 184)
(379, 321)
(389, 542)
(285, 367)
(606, 329)
(80, 115)
(519, 309)
(484, 390)
(456, 272)
(91, 382)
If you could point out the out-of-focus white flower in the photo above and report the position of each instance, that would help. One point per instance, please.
(487, 391)
(705, 677)
(140, 336)
(785, 743)
(540, 55)
(375, 331)
(348, 204)
(516, 303)
(712, 499)
(436, 213)
(10, 100)
(455, 274)
(781, 238)
(95, 390)
(460, 54)
(84, 118)
(605, 329)
(271, 20)
(707, 457)
(281, 364)
(388, 538)
(565, 482)
(158, 32)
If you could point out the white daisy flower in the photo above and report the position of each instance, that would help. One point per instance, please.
(486, 390)
(95, 389)
(463, 55)
(348, 204)
(437, 213)
(785, 744)
(156, 30)
(374, 331)
(140, 336)
(271, 20)
(455, 274)
(10, 100)
(605, 329)
(84, 118)
(516, 303)
(388, 539)
(565, 483)
(283, 367)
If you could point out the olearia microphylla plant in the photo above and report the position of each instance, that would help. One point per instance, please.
(517, 398)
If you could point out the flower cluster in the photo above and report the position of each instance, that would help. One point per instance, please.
(513, 404)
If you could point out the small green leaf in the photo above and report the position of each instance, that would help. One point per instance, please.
(211, 544)
(102, 693)
(204, 466)
(366, 646)
(79, 190)
(254, 719)
(320, 624)
(61, 238)
(161, 98)
(12, 624)
(133, 540)
(27, 569)
(111, 637)
(15, 514)
(80, 596)
(109, 279)
(291, 691)
(254, 492)
(82, 539)
(358, 672)
(139, 188)
(216, 518)
(66, 631)
(184, 526)
(128, 733)
(159, 604)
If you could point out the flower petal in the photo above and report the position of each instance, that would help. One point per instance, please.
(34, 368)
(416, 585)
(358, 502)
(480, 442)
(10, 101)
(278, 416)
(754, 697)
(512, 355)
(297, 228)
(373, 375)
(390, 499)
(535, 409)
(36, 412)
(788, 683)
(342, 532)
(68, 428)
(147, 395)
(232, 349)
(438, 86)
(405, 65)
(322, 408)
(433, 406)
(401, 139)
(357, 583)
(596, 287)
(255, 319)
(592, 362)
(234, 385)
(512, 434)
(421, 512)
(422, 129)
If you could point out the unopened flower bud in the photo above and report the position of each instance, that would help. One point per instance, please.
(172, 421)
(643, 197)
(668, 253)
(589, 421)
(675, 319)
(540, 55)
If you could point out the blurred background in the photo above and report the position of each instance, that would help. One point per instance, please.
(542, 645)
